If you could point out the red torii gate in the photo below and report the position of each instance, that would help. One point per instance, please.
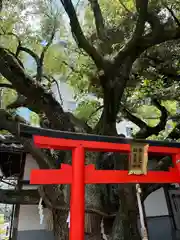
(78, 174)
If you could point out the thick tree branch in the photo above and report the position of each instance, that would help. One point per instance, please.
(114, 36)
(150, 40)
(41, 59)
(79, 124)
(159, 65)
(52, 80)
(24, 197)
(142, 8)
(6, 85)
(157, 36)
(145, 130)
(21, 48)
(155, 23)
(79, 35)
(38, 60)
(175, 134)
(135, 48)
(174, 16)
(19, 102)
(99, 20)
(164, 115)
(31, 53)
(94, 112)
(140, 123)
(124, 6)
(25, 85)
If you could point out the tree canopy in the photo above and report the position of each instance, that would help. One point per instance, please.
(122, 60)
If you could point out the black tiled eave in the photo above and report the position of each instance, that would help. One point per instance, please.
(16, 148)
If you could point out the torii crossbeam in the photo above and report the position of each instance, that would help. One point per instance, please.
(78, 174)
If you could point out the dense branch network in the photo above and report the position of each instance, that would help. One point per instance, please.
(99, 20)
(79, 37)
(145, 130)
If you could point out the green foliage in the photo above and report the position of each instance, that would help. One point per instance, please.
(34, 119)
(7, 95)
(89, 111)
(114, 11)
(80, 80)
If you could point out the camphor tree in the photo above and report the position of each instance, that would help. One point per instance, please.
(124, 52)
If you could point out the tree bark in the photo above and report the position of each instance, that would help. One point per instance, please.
(125, 224)
(61, 231)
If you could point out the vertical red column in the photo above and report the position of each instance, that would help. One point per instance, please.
(77, 203)
(176, 162)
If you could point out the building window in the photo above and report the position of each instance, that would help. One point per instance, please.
(129, 131)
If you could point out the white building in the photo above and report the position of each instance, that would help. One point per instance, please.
(64, 95)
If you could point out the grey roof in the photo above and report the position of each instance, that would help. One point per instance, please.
(9, 143)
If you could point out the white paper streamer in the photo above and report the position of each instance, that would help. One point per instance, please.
(68, 220)
(40, 207)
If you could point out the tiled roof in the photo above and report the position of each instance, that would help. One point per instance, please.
(9, 143)
(11, 152)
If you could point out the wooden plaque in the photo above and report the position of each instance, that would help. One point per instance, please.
(138, 159)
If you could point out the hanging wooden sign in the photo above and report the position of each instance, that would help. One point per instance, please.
(138, 159)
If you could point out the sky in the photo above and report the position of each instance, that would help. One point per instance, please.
(25, 113)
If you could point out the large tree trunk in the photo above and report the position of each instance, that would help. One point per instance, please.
(122, 198)
(125, 226)
(61, 231)
(92, 225)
